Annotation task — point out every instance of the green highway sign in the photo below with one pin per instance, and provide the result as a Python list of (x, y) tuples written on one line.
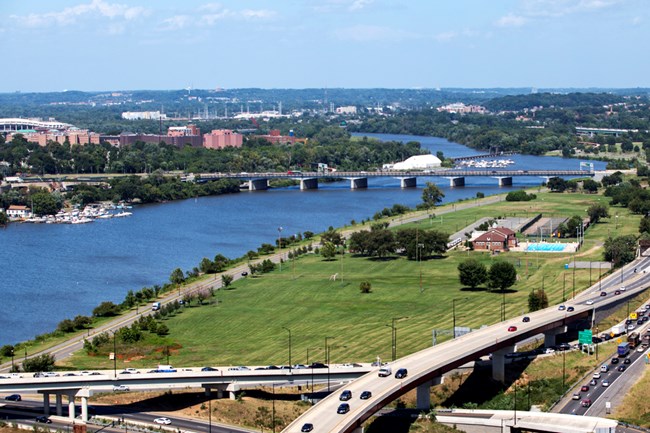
[(584, 337)]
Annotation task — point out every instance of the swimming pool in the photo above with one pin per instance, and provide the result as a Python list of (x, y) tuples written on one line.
[(543, 247)]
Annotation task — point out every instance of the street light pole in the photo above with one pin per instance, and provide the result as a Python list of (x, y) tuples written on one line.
[(289, 331), (273, 409), (327, 361), (453, 314), (209, 414), (280, 251), (114, 356)]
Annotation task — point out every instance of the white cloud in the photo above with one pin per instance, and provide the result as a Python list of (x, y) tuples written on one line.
[(558, 8), (257, 14), (359, 4), (330, 6), (511, 20), (176, 22), (445, 36), (70, 15)]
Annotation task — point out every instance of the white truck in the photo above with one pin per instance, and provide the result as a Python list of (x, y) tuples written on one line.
[(618, 329), (155, 306)]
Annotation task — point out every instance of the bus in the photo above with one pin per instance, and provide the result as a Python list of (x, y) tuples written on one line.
[(623, 349)]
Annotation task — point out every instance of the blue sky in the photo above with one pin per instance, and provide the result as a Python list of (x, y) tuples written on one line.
[(52, 45)]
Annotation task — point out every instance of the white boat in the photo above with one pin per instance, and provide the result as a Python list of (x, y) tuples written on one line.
[(122, 214)]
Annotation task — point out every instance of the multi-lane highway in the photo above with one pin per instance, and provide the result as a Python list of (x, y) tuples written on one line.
[(431, 363)]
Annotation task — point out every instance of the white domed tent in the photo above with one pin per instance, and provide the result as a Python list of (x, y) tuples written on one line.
[(418, 162)]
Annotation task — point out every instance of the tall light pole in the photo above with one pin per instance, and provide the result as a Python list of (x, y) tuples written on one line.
[(327, 361), (209, 414), (280, 251), (114, 356), (289, 331), (419, 250), (273, 409), (394, 336), (453, 314)]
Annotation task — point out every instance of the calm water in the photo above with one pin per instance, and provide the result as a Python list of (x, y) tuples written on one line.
[(52, 272)]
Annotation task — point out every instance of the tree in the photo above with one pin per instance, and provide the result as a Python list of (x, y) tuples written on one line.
[(421, 243), (502, 275), (106, 309), (177, 277), (206, 266), (328, 251), (226, 280), (44, 362), (620, 250), (44, 204), (3, 219), (644, 225), (557, 184), (472, 273), (332, 236), (590, 185), (431, 195), (537, 300), (6, 351), (597, 211), (365, 286)]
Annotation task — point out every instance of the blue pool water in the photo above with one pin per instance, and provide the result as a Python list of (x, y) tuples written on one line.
[(545, 247)]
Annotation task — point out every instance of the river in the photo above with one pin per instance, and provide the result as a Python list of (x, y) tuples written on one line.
[(51, 272)]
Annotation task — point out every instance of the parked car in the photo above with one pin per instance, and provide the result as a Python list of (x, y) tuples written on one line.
[(165, 421), (401, 373), (14, 397), (365, 395), (307, 427), (345, 395), (343, 408)]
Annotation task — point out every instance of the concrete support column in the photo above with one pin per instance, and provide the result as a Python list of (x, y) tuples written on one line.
[(59, 404), (258, 184), (232, 395), (456, 181), (358, 430), (359, 183), (423, 396), (84, 409), (549, 336), (310, 183), (498, 363), (71, 408), (46, 403), (505, 181), (208, 392), (408, 182)]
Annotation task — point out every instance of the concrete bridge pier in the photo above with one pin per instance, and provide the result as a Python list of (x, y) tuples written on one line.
[(499, 362), (505, 180), (232, 389), (84, 394), (310, 183), (456, 181), (59, 404), (71, 408), (358, 183), (423, 393), (46, 403), (549, 336), (258, 184), (408, 182), (358, 430)]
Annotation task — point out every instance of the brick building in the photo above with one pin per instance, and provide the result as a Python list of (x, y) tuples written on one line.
[(495, 239)]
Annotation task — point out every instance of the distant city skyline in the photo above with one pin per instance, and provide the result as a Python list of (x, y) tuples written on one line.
[(98, 45)]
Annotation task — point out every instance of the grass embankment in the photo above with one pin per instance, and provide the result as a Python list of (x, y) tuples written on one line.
[(635, 408), (246, 325)]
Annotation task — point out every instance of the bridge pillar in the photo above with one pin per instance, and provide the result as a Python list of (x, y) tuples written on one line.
[(408, 182), (423, 396), (71, 408), (46, 403), (311, 183), (84, 409), (258, 184), (232, 389), (358, 430), (505, 181), (59, 404), (359, 183), (208, 392), (549, 336), (456, 181), (498, 363)]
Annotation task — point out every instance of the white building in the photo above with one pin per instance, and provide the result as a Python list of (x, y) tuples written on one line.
[(350, 109), (143, 115), (17, 212), (418, 162)]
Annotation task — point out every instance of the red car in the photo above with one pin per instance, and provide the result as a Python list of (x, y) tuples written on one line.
[(584, 388), (512, 328)]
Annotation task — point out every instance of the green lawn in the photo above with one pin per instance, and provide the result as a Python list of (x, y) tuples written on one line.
[(246, 325)]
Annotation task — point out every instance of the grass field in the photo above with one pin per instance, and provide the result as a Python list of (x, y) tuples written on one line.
[(246, 325)]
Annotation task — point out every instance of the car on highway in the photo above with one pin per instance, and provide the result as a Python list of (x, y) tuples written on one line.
[(593, 382), (622, 288), (385, 372), (584, 388), (614, 360), (627, 361), (68, 374), (345, 395), (586, 402), (596, 375), (343, 408), (244, 274), (605, 383), (631, 326), (590, 302), (621, 368), (569, 309), (639, 322), (604, 368), (14, 397), (512, 328), (122, 388), (365, 395), (209, 369), (603, 293), (526, 319), (401, 373), (617, 292), (163, 420), (576, 396), (641, 348), (564, 346), (561, 308), (307, 427), (317, 365), (43, 419)]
